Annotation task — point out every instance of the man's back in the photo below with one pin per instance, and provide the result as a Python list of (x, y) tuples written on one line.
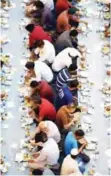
[(63, 22), (55, 134), (43, 71), (70, 167), (70, 143), (64, 40), (51, 151), (62, 78), (38, 33), (47, 110)]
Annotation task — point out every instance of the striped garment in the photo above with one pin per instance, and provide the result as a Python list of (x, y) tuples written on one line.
[(62, 78)]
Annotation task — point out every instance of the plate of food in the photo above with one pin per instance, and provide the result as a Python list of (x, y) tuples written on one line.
[(107, 111), (107, 89), (4, 39), (83, 74), (108, 72), (107, 15), (83, 66), (91, 147), (106, 9), (27, 157), (106, 49), (4, 165)]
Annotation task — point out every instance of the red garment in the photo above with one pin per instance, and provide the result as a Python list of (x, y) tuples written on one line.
[(47, 110), (62, 5), (46, 91), (38, 34)]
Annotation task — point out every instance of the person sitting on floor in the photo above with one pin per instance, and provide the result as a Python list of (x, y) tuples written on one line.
[(46, 19), (65, 58), (70, 166), (65, 75), (31, 9), (50, 128), (67, 94), (66, 39), (64, 18), (46, 110), (43, 89), (47, 156), (45, 51), (41, 71), (64, 97), (77, 140), (36, 33), (67, 116)]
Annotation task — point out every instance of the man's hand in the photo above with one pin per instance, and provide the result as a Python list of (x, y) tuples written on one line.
[(35, 155), (32, 142), (31, 161), (83, 142)]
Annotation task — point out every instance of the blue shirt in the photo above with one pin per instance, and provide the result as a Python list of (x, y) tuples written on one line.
[(70, 143), (65, 96)]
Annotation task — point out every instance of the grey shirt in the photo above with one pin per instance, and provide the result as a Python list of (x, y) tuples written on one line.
[(64, 40)]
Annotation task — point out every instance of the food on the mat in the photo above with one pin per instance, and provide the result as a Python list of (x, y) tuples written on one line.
[(107, 16), (106, 9), (26, 157), (4, 165), (107, 110), (108, 72), (106, 89), (106, 49)]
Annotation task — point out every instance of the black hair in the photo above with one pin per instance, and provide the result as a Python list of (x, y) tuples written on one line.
[(37, 172), (30, 27), (72, 10), (73, 156), (72, 67), (73, 23), (73, 33), (73, 83), (41, 137), (39, 4), (79, 133), (73, 57), (38, 43), (74, 63), (3, 1), (77, 110), (30, 65), (36, 110), (1, 63), (36, 99), (75, 44), (34, 84)]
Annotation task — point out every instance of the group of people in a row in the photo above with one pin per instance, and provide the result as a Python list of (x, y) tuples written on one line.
[(52, 83)]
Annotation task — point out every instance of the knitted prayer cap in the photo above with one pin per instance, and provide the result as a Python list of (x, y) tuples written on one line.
[(72, 10)]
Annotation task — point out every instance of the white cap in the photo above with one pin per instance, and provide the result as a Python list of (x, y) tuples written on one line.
[(74, 152)]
